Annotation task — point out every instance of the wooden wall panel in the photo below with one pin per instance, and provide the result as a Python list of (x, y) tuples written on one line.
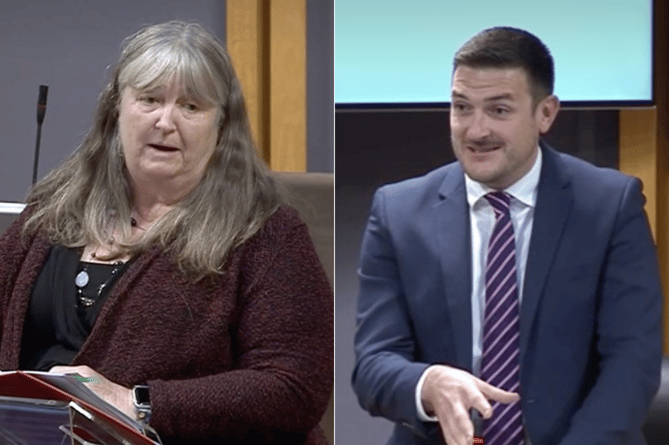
[(661, 60), (267, 42), (246, 42), (638, 154), (644, 150), (288, 85)]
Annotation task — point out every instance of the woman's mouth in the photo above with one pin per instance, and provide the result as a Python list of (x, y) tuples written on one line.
[(163, 147)]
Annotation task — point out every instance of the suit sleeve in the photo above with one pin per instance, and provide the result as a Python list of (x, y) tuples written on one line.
[(628, 333), (386, 373)]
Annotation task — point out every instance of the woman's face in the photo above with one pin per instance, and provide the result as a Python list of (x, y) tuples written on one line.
[(166, 135)]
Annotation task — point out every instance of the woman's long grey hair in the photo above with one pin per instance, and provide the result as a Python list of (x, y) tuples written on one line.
[(74, 203)]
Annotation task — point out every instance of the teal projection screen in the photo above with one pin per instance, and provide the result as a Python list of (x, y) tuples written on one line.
[(398, 53)]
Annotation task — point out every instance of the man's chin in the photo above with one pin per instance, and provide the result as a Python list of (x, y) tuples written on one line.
[(489, 177)]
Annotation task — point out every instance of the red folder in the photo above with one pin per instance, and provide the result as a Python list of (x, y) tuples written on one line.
[(69, 388)]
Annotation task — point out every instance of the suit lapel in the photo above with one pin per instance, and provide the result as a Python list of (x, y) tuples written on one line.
[(553, 206), (451, 224)]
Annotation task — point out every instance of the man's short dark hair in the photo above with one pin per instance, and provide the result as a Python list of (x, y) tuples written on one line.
[(505, 47)]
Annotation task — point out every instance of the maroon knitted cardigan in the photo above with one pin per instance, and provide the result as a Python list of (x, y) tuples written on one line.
[(246, 357)]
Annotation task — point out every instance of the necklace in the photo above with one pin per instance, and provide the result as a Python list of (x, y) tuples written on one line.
[(134, 223), (82, 279), (112, 241)]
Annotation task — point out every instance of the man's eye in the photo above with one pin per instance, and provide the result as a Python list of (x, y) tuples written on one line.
[(500, 111), (460, 107)]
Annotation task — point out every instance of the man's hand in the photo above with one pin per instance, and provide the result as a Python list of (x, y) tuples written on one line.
[(450, 393), (116, 395)]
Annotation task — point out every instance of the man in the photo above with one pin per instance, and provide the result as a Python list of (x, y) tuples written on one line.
[(516, 291)]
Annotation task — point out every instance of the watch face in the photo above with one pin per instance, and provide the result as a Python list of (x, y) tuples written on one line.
[(141, 394)]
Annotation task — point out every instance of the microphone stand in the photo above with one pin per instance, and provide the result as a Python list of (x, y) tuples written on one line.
[(41, 111)]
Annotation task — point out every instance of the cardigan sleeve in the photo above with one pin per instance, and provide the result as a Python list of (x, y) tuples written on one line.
[(13, 249), (283, 376)]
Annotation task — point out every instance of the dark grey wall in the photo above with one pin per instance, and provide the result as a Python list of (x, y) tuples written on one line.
[(68, 45), (320, 86), (375, 148)]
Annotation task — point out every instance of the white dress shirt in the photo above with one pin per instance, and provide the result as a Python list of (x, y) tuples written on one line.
[(482, 220)]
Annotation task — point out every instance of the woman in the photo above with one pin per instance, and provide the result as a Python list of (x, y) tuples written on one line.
[(160, 254)]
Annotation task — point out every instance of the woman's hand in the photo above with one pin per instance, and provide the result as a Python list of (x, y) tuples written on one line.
[(116, 395)]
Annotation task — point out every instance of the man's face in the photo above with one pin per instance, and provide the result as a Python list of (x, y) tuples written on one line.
[(495, 126)]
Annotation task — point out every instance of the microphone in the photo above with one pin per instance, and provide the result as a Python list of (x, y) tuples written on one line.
[(478, 427), (41, 111)]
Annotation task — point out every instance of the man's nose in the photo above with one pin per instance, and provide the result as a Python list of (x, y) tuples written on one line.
[(479, 127)]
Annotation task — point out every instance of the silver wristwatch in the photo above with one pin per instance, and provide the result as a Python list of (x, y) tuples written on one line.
[(142, 403)]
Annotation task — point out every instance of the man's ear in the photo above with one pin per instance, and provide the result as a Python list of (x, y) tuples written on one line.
[(546, 112)]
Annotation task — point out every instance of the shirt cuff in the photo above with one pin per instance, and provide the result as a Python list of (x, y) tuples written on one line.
[(419, 404)]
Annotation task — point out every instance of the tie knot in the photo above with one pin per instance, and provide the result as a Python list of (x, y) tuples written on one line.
[(499, 201)]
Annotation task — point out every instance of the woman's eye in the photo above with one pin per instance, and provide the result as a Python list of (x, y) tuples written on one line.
[(149, 100), (190, 106)]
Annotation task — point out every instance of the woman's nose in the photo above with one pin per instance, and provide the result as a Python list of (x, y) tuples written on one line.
[(165, 120)]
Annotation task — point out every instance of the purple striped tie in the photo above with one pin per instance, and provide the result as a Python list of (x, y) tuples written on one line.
[(500, 363)]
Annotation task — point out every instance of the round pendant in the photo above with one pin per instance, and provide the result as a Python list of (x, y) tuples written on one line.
[(82, 279)]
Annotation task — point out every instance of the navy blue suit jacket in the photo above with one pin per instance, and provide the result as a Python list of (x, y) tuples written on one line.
[(590, 316)]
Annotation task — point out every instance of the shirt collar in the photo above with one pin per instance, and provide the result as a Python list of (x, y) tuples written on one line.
[(524, 190)]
